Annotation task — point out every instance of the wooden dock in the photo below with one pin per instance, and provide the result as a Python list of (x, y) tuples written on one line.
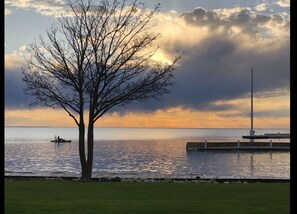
[(261, 146)]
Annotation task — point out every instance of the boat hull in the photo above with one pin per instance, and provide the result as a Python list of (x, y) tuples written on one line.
[(61, 141)]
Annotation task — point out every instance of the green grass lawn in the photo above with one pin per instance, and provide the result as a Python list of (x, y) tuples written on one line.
[(52, 196)]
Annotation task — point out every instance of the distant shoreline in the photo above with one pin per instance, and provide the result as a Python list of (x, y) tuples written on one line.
[(244, 128)]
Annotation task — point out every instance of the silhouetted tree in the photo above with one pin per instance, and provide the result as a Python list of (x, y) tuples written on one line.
[(96, 58)]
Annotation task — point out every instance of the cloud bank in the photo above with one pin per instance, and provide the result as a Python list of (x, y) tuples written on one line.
[(220, 47)]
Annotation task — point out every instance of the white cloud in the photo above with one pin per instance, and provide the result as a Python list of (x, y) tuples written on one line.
[(262, 7), (7, 11), (283, 3), (241, 25), (15, 59), (44, 7)]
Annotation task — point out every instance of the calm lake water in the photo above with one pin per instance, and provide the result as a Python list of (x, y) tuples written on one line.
[(140, 152)]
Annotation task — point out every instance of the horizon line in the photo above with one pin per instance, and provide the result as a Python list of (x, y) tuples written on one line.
[(24, 126)]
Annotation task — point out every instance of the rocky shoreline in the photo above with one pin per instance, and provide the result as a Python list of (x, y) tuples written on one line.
[(148, 179)]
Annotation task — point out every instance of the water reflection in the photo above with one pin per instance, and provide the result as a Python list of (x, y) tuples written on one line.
[(158, 157), (262, 164), (252, 164)]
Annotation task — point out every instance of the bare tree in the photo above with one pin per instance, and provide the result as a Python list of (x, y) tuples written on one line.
[(96, 58)]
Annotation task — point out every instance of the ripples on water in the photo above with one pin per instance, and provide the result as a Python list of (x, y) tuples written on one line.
[(158, 156)]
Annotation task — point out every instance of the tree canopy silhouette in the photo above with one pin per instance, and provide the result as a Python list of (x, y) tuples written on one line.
[(94, 58)]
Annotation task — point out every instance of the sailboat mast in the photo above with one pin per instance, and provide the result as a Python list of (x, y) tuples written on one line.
[(252, 104)]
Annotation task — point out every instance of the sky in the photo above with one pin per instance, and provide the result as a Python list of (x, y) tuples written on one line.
[(220, 40)]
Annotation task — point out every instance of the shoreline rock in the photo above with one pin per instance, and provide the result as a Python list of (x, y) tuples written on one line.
[(213, 180)]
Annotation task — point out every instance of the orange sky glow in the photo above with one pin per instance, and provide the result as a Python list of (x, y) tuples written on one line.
[(170, 118)]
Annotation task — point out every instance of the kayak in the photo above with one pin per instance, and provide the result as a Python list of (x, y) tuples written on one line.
[(61, 141)]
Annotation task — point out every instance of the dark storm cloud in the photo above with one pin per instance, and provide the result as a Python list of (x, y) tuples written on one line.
[(275, 113), (13, 90), (219, 67), (213, 76)]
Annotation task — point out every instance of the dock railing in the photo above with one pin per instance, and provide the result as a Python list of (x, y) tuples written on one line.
[(200, 146)]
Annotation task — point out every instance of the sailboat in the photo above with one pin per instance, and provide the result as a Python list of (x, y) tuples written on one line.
[(252, 131)]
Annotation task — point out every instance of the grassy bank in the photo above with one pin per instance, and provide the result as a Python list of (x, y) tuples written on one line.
[(49, 196)]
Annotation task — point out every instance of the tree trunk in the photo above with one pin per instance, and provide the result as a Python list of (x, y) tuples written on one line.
[(90, 150), (82, 153), (90, 143)]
